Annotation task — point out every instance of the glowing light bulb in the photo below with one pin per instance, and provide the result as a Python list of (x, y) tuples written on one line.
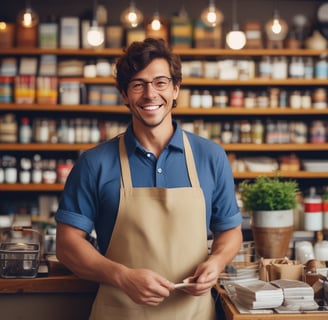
[(156, 23), (236, 39), (95, 35), (211, 16), (28, 18), (131, 17), (3, 25), (276, 26)]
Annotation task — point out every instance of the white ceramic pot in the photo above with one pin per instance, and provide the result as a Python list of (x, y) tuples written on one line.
[(273, 219)]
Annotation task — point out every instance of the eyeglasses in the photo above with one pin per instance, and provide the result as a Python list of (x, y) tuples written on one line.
[(159, 84)]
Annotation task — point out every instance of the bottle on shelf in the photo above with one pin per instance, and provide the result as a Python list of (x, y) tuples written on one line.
[(25, 170), (313, 211), (10, 169), (321, 67), (36, 169), (25, 131)]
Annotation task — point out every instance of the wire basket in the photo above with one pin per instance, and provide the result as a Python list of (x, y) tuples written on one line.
[(19, 260), (245, 265)]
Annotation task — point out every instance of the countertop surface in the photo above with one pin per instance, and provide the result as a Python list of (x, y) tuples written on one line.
[(68, 283)]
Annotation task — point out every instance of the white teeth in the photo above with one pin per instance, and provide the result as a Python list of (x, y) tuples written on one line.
[(150, 108)]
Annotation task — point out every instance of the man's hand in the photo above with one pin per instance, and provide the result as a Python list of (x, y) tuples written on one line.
[(144, 286)]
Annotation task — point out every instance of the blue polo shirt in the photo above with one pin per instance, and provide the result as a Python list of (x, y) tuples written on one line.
[(92, 191)]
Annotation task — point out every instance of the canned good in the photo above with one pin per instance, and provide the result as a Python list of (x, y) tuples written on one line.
[(237, 98), (6, 89), (69, 90)]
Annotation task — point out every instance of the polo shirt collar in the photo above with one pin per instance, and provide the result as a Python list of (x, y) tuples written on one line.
[(132, 144)]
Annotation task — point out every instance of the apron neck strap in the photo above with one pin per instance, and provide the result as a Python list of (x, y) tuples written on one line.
[(126, 180)]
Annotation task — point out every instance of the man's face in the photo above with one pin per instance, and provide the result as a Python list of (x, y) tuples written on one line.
[(151, 103)]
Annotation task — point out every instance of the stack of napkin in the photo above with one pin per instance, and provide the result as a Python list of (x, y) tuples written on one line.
[(258, 294), (298, 295)]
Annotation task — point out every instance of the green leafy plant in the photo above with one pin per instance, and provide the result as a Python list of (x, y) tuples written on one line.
[(268, 193)]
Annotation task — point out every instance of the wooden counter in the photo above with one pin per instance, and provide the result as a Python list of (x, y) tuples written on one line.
[(50, 284), (64, 297), (232, 313)]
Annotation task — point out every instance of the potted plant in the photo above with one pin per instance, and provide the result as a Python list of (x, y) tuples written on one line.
[(270, 202)]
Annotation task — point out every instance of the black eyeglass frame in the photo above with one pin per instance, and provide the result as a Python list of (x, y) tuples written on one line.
[(142, 84)]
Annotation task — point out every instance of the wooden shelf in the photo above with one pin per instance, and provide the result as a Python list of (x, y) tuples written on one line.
[(45, 146), (228, 147), (287, 174), (194, 52), (275, 147), (31, 187), (120, 109), (180, 110), (58, 187), (253, 82)]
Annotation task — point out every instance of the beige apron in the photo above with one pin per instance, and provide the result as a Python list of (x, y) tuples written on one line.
[(163, 230)]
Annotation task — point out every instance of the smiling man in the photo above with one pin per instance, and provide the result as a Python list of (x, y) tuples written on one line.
[(153, 194)]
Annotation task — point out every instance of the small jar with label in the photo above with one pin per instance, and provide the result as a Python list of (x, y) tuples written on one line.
[(279, 68), (250, 100), (195, 99), (262, 100), (296, 67), (320, 98), (257, 132), (237, 98), (220, 99), (245, 132), (295, 99), (274, 97), (25, 170), (206, 99), (36, 169), (10, 169), (318, 132), (49, 173), (226, 134), (306, 98), (265, 67)]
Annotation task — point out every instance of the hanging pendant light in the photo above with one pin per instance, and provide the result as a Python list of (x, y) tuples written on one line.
[(276, 30), (157, 26), (95, 34), (27, 18), (131, 17), (211, 16), (235, 39), (156, 23)]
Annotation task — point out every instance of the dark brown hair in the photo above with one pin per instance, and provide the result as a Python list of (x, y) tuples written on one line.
[(139, 55)]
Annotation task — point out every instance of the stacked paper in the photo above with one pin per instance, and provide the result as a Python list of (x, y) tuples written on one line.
[(258, 294), (298, 295)]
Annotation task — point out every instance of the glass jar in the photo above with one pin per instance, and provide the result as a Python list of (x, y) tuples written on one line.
[(220, 99), (279, 68), (295, 99), (237, 98)]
